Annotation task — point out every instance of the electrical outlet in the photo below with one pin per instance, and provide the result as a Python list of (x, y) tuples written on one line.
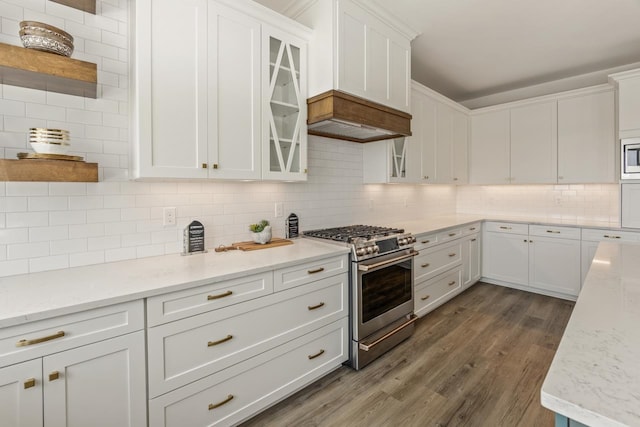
[(168, 217), (279, 209)]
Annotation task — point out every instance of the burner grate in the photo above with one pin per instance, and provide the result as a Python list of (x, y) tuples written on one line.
[(352, 232)]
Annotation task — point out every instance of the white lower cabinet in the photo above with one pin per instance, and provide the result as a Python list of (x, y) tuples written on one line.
[(449, 262), (65, 383), (538, 258), (229, 362)]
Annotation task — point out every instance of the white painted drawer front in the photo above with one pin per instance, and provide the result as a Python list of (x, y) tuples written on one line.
[(434, 261), (476, 227), (554, 231), (507, 227), (254, 384), (286, 278), (72, 330), (424, 241), (178, 305), (600, 235), (452, 234), (434, 292), (188, 349)]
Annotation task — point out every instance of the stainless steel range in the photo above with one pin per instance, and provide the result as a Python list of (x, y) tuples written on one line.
[(381, 287)]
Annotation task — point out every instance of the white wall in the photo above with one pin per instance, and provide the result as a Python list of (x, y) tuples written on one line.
[(569, 203)]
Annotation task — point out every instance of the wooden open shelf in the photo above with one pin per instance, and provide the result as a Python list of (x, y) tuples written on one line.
[(47, 71), (48, 170), (85, 5)]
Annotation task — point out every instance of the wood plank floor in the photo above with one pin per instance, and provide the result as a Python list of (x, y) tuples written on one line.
[(478, 360)]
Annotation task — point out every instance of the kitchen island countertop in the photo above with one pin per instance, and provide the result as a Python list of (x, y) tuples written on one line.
[(595, 375)]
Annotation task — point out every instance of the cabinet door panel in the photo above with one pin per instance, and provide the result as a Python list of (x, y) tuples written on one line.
[(506, 257), (98, 385), (490, 148), (376, 59), (234, 88), (20, 402), (586, 139), (176, 145), (351, 50), (460, 148), (534, 143), (554, 265), (424, 127), (444, 144), (629, 101), (399, 74)]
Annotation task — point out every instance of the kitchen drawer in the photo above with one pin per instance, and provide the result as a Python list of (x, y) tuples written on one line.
[(424, 241), (476, 227), (183, 351), (599, 235), (64, 332), (434, 292), (237, 393), (507, 227), (445, 236), (436, 260), (286, 278), (554, 231), (177, 305)]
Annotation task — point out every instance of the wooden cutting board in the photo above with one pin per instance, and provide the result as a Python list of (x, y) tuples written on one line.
[(253, 246)]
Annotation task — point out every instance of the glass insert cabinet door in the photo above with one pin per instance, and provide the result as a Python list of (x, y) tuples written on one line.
[(285, 139), (398, 157)]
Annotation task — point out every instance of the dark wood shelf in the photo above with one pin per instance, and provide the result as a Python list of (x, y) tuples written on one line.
[(47, 71), (84, 5), (48, 170)]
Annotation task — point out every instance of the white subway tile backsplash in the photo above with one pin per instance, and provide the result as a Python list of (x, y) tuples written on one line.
[(55, 262), (11, 268), (85, 202), (59, 247), (67, 188), (13, 204), (120, 254), (67, 217), (27, 250), (12, 108), (47, 112), (27, 219), (86, 258), (84, 116), (86, 230), (46, 203), (24, 94)]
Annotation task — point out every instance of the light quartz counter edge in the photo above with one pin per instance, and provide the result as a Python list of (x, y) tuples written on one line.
[(37, 296), (595, 375)]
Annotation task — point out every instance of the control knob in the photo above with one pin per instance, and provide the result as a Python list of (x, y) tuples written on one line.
[(376, 249), (369, 249), (361, 251), (402, 241)]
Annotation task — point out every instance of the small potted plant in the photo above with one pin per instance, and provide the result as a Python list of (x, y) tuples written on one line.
[(261, 232)]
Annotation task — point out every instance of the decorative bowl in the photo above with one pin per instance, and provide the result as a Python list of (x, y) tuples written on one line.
[(44, 148), (263, 237), (40, 36)]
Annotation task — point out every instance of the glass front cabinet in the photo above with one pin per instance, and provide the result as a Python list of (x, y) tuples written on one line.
[(285, 107)]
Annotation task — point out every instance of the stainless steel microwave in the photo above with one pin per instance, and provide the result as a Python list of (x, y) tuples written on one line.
[(630, 153)]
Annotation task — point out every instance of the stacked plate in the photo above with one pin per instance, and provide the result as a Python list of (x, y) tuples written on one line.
[(39, 36), (49, 141)]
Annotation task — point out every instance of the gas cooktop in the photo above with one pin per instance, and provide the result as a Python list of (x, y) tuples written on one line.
[(350, 233)]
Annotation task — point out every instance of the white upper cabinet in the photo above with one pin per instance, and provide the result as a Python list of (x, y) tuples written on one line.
[(490, 148), (391, 161), (358, 51), (564, 138), (628, 83), (586, 138), (202, 69), (460, 147), (534, 143), (285, 106)]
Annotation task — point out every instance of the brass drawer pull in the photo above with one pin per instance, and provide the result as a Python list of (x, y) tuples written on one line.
[(452, 255), (424, 242), (215, 166), (54, 375), (505, 228), (426, 297), (219, 404), (314, 307), (612, 237), (425, 265), (473, 240), (225, 339), (317, 270), (553, 232), (472, 229), (226, 294), (452, 234), (31, 382), (318, 354), (24, 343), (451, 283)]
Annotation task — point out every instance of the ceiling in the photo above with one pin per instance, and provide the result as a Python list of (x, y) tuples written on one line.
[(471, 50)]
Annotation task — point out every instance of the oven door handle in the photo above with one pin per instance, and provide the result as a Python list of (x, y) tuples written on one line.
[(367, 347), (368, 267)]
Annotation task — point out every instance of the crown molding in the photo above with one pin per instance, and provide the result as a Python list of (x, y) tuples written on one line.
[(382, 13)]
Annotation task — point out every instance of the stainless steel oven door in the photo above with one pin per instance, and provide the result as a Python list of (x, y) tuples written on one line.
[(630, 151), (383, 292)]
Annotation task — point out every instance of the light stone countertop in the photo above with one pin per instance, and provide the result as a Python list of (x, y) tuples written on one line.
[(595, 375), (36, 296)]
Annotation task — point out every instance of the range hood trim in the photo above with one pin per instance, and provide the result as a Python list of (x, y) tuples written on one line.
[(332, 110)]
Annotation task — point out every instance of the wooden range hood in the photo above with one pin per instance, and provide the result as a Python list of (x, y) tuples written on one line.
[(339, 115)]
